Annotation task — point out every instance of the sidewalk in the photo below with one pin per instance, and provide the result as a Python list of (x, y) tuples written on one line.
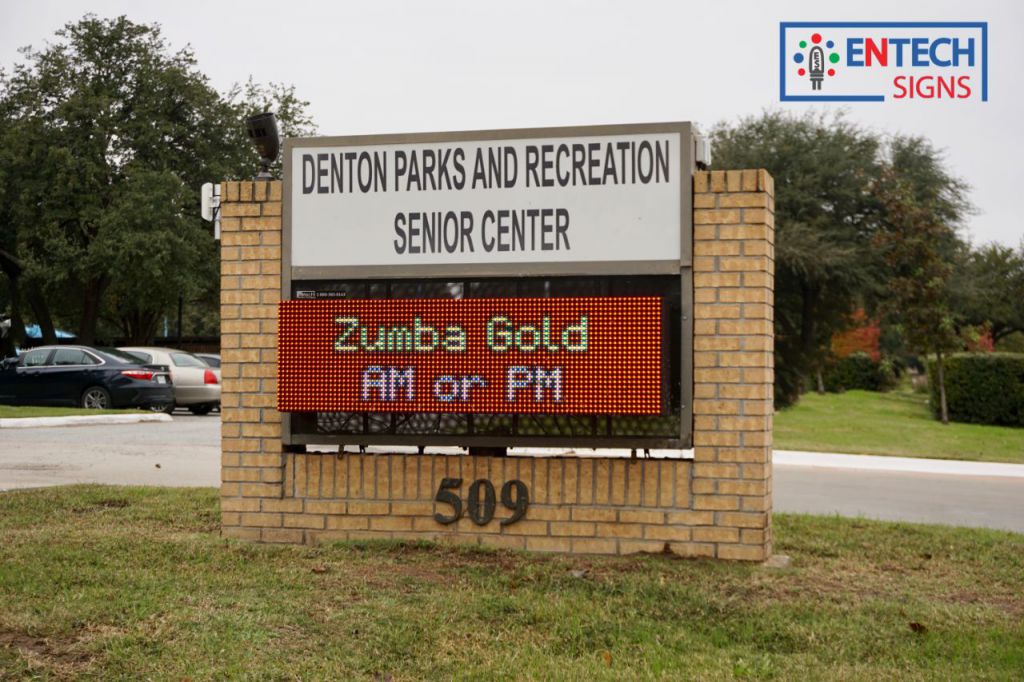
[(917, 465), (86, 420)]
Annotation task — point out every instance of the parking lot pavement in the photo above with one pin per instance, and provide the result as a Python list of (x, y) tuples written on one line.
[(184, 452)]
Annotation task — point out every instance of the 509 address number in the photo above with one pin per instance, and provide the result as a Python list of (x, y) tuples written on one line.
[(480, 503)]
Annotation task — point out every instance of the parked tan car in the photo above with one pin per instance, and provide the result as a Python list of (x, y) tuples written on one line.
[(196, 384)]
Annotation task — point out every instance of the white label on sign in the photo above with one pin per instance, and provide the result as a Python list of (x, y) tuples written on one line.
[(573, 199)]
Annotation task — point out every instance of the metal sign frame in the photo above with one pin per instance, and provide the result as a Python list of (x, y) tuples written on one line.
[(682, 266)]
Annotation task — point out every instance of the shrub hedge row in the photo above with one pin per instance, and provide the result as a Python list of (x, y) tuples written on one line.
[(981, 388), (858, 370)]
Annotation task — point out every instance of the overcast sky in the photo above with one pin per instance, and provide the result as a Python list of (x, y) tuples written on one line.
[(431, 65)]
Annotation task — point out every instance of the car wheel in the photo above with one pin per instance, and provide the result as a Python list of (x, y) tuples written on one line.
[(96, 398), (166, 408), (200, 410)]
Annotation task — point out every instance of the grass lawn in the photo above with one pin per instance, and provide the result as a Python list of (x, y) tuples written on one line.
[(894, 423), (135, 583), (18, 411)]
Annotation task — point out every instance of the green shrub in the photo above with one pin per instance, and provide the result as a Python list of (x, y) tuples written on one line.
[(981, 388), (858, 370)]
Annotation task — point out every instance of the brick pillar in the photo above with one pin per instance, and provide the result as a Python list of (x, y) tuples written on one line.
[(252, 463), (734, 266)]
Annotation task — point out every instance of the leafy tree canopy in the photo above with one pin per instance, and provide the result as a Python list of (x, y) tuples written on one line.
[(108, 135), (825, 215)]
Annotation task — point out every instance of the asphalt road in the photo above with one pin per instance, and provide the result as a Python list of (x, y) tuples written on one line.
[(980, 501), (187, 453)]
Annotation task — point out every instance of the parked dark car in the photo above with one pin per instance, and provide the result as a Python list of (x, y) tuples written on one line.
[(97, 378)]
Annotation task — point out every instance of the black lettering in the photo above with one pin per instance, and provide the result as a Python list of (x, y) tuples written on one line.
[(443, 181), (400, 165), (645, 177), (579, 159), (563, 180), (502, 230), (429, 232), (460, 169), (609, 166), (623, 147), (532, 214), (518, 233), (308, 173), (562, 227), (487, 243), (365, 179), (321, 174), (594, 163), (547, 165), (400, 231), (546, 229), (414, 231), (531, 166), (429, 161), (350, 157), (494, 173), (337, 178), (661, 161), (511, 167), (451, 219), (479, 175), (467, 231), (414, 174), (380, 172)]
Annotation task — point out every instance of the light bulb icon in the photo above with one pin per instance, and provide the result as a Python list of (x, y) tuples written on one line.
[(816, 67)]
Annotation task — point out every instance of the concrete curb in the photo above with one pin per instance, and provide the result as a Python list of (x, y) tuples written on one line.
[(949, 467), (87, 420)]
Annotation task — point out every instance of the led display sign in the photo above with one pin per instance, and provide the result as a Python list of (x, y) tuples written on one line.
[(580, 355)]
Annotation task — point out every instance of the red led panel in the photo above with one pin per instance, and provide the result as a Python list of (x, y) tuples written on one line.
[(540, 355)]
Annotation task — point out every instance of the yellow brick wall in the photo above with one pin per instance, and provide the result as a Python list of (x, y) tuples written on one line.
[(719, 505)]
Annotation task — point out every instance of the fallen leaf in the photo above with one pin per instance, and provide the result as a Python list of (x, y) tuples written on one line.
[(607, 656), (579, 573), (157, 465), (918, 628), (319, 568)]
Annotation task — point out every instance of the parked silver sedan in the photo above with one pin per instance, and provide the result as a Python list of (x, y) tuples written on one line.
[(196, 384)]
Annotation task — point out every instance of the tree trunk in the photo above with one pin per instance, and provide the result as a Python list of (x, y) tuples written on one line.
[(820, 380), (42, 314), (92, 297), (15, 335), (943, 407), (12, 269), (809, 300)]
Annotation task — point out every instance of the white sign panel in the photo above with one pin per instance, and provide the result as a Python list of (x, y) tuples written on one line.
[(553, 199)]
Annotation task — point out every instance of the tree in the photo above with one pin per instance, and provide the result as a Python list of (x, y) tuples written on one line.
[(924, 207), (825, 216), (109, 135), (911, 242), (989, 289)]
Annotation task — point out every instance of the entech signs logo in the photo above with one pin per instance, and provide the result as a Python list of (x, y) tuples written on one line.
[(878, 61)]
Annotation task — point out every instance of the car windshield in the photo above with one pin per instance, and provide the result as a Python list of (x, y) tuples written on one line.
[(139, 355), (186, 360), (119, 355)]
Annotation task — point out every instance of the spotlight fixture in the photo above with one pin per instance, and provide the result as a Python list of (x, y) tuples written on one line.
[(262, 129)]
